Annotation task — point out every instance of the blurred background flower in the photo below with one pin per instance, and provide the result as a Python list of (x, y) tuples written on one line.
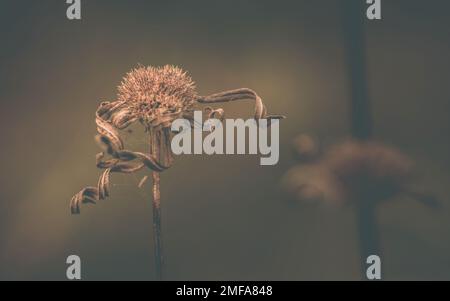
[(352, 171)]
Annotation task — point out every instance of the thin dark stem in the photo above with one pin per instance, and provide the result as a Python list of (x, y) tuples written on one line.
[(156, 204), (157, 225), (360, 116)]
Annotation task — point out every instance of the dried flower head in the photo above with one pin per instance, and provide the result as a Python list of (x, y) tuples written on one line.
[(154, 92)]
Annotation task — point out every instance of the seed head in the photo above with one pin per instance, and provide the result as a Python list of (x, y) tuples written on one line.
[(152, 92)]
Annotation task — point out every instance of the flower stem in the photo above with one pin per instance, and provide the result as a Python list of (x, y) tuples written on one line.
[(157, 237), (156, 206)]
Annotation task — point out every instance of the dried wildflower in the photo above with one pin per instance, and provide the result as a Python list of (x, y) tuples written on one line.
[(155, 97), (355, 171), (361, 173), (368, 169)]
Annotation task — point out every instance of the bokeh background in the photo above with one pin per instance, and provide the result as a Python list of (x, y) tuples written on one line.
[(224, 217)]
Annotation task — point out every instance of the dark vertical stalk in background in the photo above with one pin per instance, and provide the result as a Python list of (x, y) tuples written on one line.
[(354, 16)]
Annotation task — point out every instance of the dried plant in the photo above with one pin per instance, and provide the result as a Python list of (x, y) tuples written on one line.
[(353, 171), (360, 173), (155, 97)]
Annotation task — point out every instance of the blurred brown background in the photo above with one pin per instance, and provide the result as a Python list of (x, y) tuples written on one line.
[(224, 217)]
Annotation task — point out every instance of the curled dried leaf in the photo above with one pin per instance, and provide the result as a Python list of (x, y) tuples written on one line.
[(240, 94), (86, 195), (103, 184), (109, 118)]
